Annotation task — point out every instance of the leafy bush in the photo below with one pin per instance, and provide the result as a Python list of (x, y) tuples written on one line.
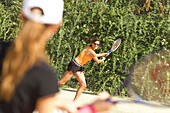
[(9, 21), (83, 20)]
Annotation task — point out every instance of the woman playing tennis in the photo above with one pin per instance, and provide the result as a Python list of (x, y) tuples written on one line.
[(75, 67)]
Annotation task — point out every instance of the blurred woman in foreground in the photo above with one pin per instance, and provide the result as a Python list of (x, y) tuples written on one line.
[(27, 82)]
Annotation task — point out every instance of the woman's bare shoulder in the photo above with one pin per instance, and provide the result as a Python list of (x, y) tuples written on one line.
[(89, 51)]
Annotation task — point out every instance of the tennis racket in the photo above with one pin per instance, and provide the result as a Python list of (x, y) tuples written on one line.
[(148, 82), (114, 46)]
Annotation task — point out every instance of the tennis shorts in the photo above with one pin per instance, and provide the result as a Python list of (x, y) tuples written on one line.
[(74, 67)]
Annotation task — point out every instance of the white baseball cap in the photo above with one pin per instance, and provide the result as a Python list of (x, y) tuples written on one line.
[(52, 9)]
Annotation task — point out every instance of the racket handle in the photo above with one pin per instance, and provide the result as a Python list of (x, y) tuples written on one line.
[(111, 101), (60, 111), (107, 53)]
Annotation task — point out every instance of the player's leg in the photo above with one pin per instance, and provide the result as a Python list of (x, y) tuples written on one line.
[(81, 79), (66, 77)]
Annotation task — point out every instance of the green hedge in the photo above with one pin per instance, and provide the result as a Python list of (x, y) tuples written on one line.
[(9, 19), (83, 20)]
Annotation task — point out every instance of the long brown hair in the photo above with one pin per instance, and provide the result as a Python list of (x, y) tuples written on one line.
[(94, 40), (27, 49)]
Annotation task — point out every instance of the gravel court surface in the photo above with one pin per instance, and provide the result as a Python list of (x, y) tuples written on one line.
[(66, 96)]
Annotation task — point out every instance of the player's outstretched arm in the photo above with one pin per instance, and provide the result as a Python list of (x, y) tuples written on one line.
[(95, 56)]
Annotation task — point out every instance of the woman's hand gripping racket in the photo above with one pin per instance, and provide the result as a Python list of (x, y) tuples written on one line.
[(114, 46), (148, 82)]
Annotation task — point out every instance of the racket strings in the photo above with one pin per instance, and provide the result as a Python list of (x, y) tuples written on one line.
[(151, 77), (115, 45)]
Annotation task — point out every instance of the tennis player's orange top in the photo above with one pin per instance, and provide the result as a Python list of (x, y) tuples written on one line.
[(82, 58)]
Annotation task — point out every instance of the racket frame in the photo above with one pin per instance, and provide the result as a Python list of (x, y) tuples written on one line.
[(135, 98), (113, 45)]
